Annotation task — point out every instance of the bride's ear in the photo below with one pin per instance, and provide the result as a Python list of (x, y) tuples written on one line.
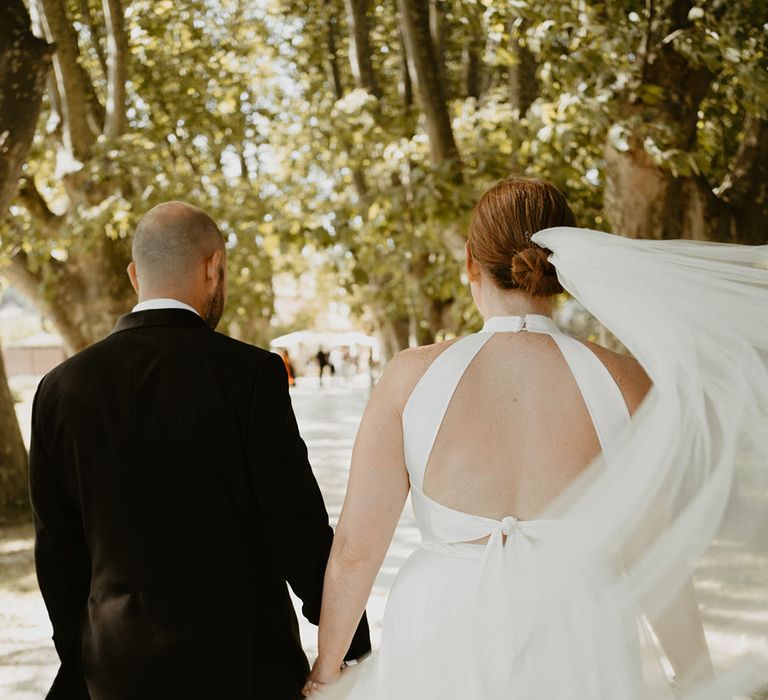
[(472, 268)]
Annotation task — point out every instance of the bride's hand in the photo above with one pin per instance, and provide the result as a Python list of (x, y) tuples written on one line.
[(320, 677)]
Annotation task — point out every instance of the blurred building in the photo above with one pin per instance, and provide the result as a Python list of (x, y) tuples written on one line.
[(29, 348)]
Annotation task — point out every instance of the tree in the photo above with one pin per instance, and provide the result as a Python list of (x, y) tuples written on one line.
[(677, 95), (681, 201), (415, 18), (128, 126), (365, 132), (24, 63)]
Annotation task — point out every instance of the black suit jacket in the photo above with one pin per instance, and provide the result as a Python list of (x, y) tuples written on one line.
[(173, 500)]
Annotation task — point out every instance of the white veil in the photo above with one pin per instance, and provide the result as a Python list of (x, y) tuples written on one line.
[(685, 492)]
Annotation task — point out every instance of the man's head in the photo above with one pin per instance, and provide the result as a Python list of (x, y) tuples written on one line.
[(179, 253)]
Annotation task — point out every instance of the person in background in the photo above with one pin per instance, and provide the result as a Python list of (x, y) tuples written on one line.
[(288, 366), (322, 363)]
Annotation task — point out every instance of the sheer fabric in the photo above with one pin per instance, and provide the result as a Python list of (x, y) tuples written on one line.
[(690, 479), (558, 607)]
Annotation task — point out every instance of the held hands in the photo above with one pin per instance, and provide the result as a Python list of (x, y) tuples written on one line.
[(320, 677)]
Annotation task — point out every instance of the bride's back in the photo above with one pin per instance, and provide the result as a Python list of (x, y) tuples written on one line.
[(517, 430)]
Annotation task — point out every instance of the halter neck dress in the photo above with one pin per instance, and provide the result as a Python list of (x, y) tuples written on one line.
[(464, 621)]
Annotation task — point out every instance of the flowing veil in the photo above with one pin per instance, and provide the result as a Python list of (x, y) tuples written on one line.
[(684, 493), (680, 499)]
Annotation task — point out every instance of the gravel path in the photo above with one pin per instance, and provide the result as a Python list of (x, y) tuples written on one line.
[(736, 615)]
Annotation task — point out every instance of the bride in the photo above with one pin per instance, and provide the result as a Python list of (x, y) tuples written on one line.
[(564, 492)]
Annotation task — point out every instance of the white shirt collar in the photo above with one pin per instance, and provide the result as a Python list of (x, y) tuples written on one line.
[(151, 304)]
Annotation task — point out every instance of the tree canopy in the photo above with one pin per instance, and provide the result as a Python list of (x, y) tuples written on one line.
[(366, 130)]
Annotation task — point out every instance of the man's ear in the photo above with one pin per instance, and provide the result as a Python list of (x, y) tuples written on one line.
[(214, 265), (133, 276), (473, 269)]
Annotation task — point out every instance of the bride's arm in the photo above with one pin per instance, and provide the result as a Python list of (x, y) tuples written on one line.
[(377, 490)]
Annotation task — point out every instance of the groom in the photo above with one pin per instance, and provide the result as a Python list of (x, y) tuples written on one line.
[(172, 495)]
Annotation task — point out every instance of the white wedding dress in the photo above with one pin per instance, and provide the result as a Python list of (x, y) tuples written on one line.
[(548, 608), (465, 621)]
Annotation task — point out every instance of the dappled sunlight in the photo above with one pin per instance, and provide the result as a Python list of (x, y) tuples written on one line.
[(27, 658), (731, 579)]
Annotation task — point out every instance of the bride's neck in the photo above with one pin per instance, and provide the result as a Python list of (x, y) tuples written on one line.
[(492, 301)]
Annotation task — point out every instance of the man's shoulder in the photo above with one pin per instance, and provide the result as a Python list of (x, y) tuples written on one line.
[(238, 349), (103, 352), (83, 360)]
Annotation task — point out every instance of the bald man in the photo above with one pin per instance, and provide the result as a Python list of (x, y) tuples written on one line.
[(172, 495)]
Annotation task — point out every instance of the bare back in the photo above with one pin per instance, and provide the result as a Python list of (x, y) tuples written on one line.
[(517, 430)]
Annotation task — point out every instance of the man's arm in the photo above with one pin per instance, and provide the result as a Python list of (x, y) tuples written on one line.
[(61, 554), (295, 518)]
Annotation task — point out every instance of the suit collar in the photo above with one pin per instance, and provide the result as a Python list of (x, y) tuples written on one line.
[(159, 317)]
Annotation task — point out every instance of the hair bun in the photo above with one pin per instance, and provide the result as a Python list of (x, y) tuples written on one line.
[(533, 273)]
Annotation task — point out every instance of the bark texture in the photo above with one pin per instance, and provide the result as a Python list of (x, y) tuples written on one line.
[(13, 454), (360, 51), (25, 61), (82, 116), (83, 295), (644, 200), (415, 18), (117, 57), (523, 85)]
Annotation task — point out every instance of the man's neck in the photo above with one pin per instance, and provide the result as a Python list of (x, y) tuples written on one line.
[(163, 302)]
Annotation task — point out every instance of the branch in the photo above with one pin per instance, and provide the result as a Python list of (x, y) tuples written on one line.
[(523, 84), (74, 86), (85, 11), (117, 55), (746, 181), (34, 202), (471, 63), (31, 284), (360, 47), (645, 52), (437, 29), (358, 176), (405, 75), (333, 59), (25, 61), (22, 277), (414, 18)]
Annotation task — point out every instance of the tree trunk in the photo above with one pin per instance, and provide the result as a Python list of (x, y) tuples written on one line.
[(13, 454), (25, 61), (360, 50), (644, 200), (81, 125), (333, 59), (393, 335), (435, 317), (406, 84), (117, 57), (82, 297), (471, 76), (523, 86), (96, 33), (414, 15), (438, 26), (745, 188), (24, 64)]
